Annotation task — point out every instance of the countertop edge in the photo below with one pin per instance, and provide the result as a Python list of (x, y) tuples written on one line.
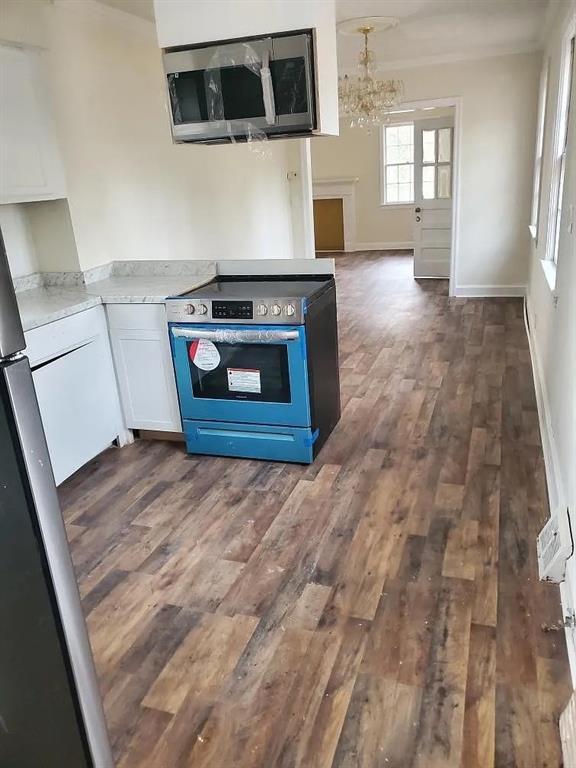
[(93, 297), (60, 314)]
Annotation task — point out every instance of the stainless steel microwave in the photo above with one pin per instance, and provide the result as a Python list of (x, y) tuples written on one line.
[(239, 90)]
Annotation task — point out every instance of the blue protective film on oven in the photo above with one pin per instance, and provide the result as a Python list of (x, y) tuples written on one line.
[(295, 413)]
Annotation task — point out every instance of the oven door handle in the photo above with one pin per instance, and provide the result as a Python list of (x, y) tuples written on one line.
[(226, 336)]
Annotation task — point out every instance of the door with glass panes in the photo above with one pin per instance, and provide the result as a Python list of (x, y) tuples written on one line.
[(433, 182)]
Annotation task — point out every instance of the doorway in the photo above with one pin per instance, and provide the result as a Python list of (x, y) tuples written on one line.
[(410, 207)]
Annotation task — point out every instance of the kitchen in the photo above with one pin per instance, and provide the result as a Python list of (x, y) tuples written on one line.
[(247, 518), (106, 367)]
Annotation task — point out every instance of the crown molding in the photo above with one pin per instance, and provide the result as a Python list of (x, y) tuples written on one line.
[(450, 58)]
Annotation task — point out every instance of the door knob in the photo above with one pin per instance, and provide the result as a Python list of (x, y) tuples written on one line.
[(417, 210), (418, 218)]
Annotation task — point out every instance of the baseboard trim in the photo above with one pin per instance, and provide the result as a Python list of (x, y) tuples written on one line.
[(553, 478), (388, 246), (490, 291)]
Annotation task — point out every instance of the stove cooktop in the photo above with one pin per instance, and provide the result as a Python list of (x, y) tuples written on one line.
[(301, 287)]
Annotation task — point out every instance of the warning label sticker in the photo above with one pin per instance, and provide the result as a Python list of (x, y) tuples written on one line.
[(204, 354), (244, 380)]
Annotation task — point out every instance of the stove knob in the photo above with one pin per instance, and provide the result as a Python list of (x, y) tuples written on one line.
[(189, 309), (289, 310), (202, 309), (261, 309), (276, 309)]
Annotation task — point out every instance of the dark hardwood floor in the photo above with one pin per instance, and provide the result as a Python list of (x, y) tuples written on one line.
[(379, 609)]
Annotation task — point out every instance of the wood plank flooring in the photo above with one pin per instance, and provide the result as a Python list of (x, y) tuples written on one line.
[(379, 609)]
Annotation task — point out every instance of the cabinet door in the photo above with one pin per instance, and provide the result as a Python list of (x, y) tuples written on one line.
[(30, 164), (144, 367), (79, 406)]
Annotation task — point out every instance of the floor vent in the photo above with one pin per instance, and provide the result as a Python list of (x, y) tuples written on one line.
[(554, 547)]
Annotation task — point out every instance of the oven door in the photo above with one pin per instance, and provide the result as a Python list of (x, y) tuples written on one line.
[(242, 90), (254, 375)]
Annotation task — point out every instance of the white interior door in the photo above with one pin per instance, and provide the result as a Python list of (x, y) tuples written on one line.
[(433, 183)]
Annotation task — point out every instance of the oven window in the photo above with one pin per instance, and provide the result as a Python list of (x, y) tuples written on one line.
[(257, 372)]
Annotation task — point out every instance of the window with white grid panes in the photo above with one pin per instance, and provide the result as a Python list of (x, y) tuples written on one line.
[(437, 163), (560, 148), (398, 164)]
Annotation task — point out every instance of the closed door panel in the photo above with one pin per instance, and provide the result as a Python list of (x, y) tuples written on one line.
[(433, 172), (435, 236), (435, 261), (438, 218)]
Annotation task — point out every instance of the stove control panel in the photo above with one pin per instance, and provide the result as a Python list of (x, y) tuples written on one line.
[(259, 311), (232, 310)]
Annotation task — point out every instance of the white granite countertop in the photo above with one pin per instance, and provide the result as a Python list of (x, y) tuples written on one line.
[(144, 289), (40, 306)]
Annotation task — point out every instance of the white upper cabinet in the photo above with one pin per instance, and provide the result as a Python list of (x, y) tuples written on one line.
[(30, 163)]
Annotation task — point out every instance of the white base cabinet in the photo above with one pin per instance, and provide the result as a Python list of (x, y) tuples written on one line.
[(143, 361), (76, 389)]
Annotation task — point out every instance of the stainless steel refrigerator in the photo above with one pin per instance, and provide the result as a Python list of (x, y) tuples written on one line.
[(50, 708)]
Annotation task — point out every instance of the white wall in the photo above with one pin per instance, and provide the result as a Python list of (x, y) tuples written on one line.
[(132, 193), (18, 240), (39, 237), (552, 314), (355, 153), (51, 230), (498, 97)]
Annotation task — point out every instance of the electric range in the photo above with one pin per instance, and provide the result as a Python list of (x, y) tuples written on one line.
[(256, 364)]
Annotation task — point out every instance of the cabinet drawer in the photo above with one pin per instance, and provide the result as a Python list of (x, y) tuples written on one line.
[(58, 337), (137, 317)]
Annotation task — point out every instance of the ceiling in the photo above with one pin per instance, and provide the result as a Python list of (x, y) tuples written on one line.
[(142, 8), (443, 29), (428, 30)]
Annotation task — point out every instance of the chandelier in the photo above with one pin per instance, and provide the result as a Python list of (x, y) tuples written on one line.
[(365, 99)]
